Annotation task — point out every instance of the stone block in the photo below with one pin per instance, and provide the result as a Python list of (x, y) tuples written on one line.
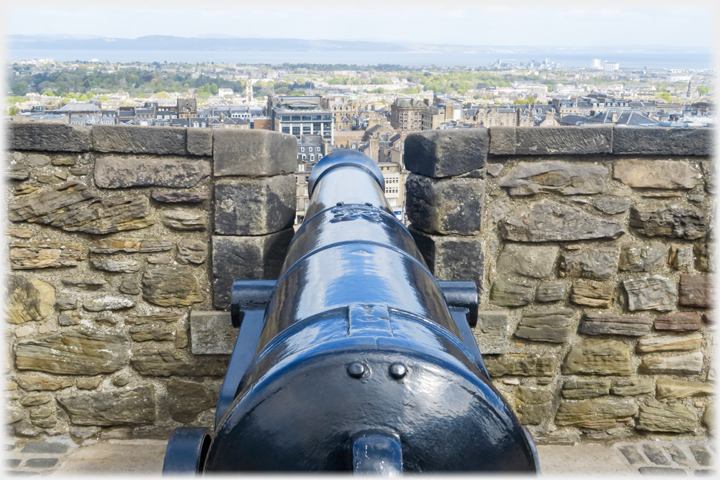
[(551, 291), (613, 324), (158, 332), (596, 413), (186, 400), (191, 251), (561, 177), (697, 291), (611, 204), (688, 364), (166, 363), (212, 332), (549, 221), (578, 389), (502, 140), (253, 153), (49, 137), (563, 140), (129, 172), (171, 286), (184, 219), (670, 343), (662, 141), (511, 294), (632, 386), (599, 357), (116, 266), (40, 382), (671, 388), (123, 245), (246, 258), (533, 405), (200, 141), (673, 418), (592, 294), (546, 325), (180, 197), (642, 258), (254, 206), (491, 332), (446, 153), (121, 407), (107, 303), (651, 293), (136, 139), (452, 257), (665, 174), (595, 264), (445, 206), (673, 221), (521, 364), (29, 300), (679, 322), (704, 257), (527, 261)]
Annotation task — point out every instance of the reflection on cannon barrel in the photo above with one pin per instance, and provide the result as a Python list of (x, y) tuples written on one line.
[(356, 358)]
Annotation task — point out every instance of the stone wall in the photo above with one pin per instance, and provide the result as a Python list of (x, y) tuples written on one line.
[(123, 244), (592, 250)]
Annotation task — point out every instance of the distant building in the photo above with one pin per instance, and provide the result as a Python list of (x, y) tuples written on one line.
[(344, 107), (301, 115), (597, 63), (407, 114), (611, 66)]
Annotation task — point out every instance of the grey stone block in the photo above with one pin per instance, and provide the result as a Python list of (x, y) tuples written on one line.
[(452, 257), (120, 172), (253, 153), (49, 137), (136, 139), (45, 447), (563, 140), (200, 141), (502, 140), (445, 206), (662, 141), (246, 258), (445, 153), (254, 206), (491, 331), (211, 332)]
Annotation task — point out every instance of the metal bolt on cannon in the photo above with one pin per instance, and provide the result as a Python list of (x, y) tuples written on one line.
[(356, 358)]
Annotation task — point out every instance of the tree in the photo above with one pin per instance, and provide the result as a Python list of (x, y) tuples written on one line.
[(703, 90), (162, 95), (13, 110), (19, 88)]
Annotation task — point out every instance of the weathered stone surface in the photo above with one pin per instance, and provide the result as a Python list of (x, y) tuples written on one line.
[(511, 294), (491, 332), (662, 141), (681, 257), (40, 382), (679, 322), (697, 291), (599, 357), (180, 197), (254, 206), (563, 140), (74, 352), (48, 137), (129, 245), (590, 294), (597, 413), (48, 179), (668, 174), (674, 221), (577, 389), (34, 399), (651, 293), (611, 204), (44, 254), (24, 189), (187, 399), (708, 419), (135, 139), (166, 363), (46, 202), (16, 172), (494, 169), (200, 141), (532, 405), (546, 221), (642, 258), (66, 301), (106, 303), (632, 386), (527, 261), (688, 364), (157, 332), (159, 259), (120, 407), (171, 286), (595, 264), (561, 177), (546, 325), (80, 170), (669, 388), (613, 324), (246, 258), (127, 172), (673, 418), (212, 332), (155, 318), (90, 284), (526, 365), (191, 251), (452, 257), (704, 257), (670, 343), (446, 153), (29, 300), (253, 153), (116, 266), (88, 383), (445, 206), (502, 140), (184, 219), (552, 291), (18, 232)]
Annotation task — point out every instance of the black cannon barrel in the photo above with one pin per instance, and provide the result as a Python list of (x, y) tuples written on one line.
[(360, 363)]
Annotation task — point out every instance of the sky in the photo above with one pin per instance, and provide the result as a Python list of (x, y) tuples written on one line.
[(514, 23)]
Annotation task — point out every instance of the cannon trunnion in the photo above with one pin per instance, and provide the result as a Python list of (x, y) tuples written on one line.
[(356, 358)]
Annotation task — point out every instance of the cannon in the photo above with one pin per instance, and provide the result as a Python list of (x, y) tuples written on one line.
[(356, 359)]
